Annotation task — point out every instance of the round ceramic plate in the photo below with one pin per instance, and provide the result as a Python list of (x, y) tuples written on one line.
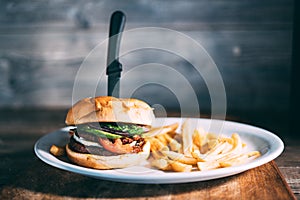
[(269, 145)]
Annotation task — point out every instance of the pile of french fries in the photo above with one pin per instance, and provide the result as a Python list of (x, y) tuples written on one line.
[(194, 149)]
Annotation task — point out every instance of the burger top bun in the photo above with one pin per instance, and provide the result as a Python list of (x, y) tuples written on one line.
[(110, 109), (109, 162)]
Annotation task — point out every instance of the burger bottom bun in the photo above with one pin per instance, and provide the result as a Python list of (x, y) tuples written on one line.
[(108, 162)]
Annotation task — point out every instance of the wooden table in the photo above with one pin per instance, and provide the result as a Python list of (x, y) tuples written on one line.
[(24, 176)]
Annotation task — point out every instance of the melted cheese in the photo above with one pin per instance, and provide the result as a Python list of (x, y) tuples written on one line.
[(85, 142)]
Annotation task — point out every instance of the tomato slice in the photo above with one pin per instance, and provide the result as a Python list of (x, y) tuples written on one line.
[(116, 147)]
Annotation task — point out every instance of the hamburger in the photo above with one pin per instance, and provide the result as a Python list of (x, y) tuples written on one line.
[(108, 132)]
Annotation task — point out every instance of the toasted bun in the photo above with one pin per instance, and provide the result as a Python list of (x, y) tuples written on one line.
[(110, 109), (109, 162)]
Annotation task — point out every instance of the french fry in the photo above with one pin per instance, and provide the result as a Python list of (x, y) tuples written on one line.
[(180, 157), (204, 148), (254, 154), (227, 148), (169, 129), (239, 159), (199, 136), (211, 144), (173, 128), (225, 139), (237, 142), (158, 155), (162, 139), (57, 151), (194, 147), (162, 164), (174, 145), (217, 149), (211, 136), (157, 145), (198, 156), (202, 166), (180, 167), (187, 137), (236, 160), (224, 150), (211, 140)]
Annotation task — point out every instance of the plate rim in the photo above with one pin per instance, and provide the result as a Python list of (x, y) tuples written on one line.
[(161, 177)]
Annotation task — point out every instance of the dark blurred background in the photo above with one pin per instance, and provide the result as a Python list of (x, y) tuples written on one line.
[(43, 43)]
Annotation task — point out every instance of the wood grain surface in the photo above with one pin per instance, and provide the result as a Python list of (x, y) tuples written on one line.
[(41, 181)]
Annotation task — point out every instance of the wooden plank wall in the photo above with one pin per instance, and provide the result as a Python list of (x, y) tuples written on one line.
[(43, 44)]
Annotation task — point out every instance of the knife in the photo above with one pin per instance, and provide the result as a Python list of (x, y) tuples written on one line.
[(114, 67)]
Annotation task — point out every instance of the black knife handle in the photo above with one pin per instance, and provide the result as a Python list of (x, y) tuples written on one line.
[(114, 67), (117, 23)]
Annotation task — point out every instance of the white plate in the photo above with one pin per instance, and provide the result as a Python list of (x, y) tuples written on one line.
[(259, 139)]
